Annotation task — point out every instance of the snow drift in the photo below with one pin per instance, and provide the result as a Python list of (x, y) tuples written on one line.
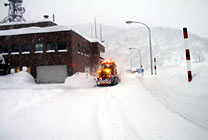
[(171, 87), (17, 80), (80, 80)]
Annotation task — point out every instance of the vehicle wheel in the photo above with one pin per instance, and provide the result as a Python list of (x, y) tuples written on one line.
[(115, 81)]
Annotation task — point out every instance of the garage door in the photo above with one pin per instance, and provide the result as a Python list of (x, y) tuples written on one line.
[(51, 74)]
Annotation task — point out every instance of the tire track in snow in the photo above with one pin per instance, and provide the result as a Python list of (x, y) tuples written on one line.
[(111, 120), (24, 99)]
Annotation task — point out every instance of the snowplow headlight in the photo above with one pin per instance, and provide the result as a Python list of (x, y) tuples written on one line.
[(99, 71), (107, 70)]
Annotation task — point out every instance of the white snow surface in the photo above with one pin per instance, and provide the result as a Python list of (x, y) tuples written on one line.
[(24, 22), (188, 99), (160, 107), (32, 30), (79, 110)]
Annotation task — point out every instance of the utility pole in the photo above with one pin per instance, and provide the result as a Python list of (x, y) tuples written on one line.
[(100, 33), (53, 18), (95, 29), (91, 30)]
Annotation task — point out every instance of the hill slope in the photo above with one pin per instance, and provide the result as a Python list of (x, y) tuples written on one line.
[(167, 44)]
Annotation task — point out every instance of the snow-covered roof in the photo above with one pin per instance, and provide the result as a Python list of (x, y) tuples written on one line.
[(24, 22), (93, 40), (33, 30)]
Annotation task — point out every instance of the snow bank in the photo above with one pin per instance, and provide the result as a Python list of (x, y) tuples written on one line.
[(172, 89), (23, 80), (80, 80), (16, 81), (73, 110)]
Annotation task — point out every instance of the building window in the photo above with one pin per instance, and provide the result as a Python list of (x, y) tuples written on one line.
[(62, 46), (39, 47), (15, 48), (5, 49), (78, 48), (82, 50), (88, 52), (25, 48), (50, 47), (85, 51)]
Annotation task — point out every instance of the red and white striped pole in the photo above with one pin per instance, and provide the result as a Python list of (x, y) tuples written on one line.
[(155, 67), (188, 58)]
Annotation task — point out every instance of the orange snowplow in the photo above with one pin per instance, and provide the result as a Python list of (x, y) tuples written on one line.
[(107, 74)]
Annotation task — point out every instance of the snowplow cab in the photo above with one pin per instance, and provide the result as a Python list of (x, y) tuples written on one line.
[(107, 74)]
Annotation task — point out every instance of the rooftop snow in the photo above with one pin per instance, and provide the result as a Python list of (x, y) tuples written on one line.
[(32, 30), (25, 22)]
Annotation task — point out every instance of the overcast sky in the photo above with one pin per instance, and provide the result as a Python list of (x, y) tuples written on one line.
[(192, 14)]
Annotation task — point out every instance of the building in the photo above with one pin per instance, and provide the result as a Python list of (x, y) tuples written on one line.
[(51, 52)]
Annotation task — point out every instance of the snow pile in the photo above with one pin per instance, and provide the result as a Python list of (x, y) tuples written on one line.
[(16, 81), (25, 80), (172, 88), (80, 80)]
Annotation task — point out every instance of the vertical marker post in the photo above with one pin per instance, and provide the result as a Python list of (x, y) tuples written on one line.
[(187, 52), (155, 67)]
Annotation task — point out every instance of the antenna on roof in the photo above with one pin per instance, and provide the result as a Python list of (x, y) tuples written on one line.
[(91, 30), (53, 18), (95, 29), (101, 33), (16, 11)]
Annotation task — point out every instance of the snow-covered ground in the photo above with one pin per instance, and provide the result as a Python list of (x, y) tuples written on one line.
[(145, 107), (130, 110), (190, 100)]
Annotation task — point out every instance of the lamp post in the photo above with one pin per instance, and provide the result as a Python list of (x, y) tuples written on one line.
[(140, 55), (150, 43)]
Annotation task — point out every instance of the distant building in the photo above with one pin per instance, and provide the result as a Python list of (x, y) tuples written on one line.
[(51, 52)]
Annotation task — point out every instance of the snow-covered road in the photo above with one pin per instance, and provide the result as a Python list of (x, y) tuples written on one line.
[(121, 112)]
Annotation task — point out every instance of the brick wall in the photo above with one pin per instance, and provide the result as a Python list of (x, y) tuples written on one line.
[(75, 59), (34, 59), (80, 53)]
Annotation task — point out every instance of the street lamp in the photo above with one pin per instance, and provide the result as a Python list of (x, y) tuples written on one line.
[(140, 55), (151, 66)]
